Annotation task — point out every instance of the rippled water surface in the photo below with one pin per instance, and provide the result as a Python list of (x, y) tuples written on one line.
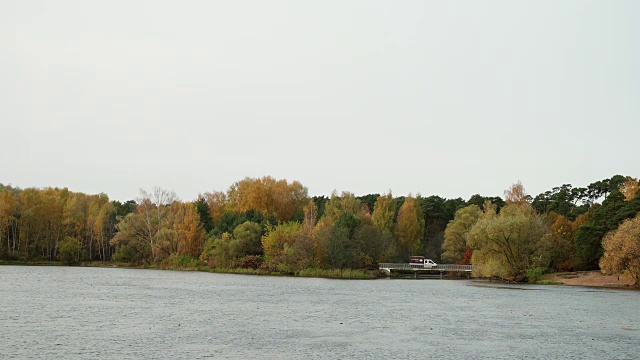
[(82, 313)]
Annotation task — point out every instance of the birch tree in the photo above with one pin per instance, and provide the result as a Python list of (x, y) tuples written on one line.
[(8, 220), (516, 194), (154, 209)]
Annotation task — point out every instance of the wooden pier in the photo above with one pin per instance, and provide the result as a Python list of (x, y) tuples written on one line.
[(419, 271)]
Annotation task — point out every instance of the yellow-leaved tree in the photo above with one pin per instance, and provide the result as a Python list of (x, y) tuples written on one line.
[(282, 248), (8, 220), (622, 250), (384, 212), (217, 202), (504, 246), (409, 228), (268, 196), (190, 233)]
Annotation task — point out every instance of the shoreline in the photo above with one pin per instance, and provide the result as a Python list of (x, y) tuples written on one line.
[(339, 274), (593, 278)]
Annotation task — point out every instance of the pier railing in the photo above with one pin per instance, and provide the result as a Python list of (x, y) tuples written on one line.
[(441, 267), (453, 267)]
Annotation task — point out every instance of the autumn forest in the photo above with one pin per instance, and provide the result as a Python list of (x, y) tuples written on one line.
[(266, 225)]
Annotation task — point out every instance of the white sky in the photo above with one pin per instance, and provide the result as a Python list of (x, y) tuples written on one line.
[(448, 98)]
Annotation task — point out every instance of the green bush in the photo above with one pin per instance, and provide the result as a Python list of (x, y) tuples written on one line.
[(176, 261), (69, 249), (534, 273), (124, 254)]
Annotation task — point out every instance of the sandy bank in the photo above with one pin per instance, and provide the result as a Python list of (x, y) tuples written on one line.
[(590, 278)]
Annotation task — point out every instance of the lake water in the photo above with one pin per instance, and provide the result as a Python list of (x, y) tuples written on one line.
[(99, 313)]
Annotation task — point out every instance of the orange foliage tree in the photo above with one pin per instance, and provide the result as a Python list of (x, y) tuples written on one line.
[(516, 194), (269, 196), (629, 188), (217, 202), (622, 250)]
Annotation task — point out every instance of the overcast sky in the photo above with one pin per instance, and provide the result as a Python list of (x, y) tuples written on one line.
[(446, 98)]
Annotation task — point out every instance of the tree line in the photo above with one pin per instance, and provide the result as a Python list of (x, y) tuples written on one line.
[(274, 225), (564, 229)]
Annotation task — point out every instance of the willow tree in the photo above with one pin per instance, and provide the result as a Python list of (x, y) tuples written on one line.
[(504, 245), (457, 232)]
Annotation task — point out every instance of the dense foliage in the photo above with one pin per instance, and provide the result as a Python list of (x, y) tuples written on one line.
[(273, 225), (560, 230)]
